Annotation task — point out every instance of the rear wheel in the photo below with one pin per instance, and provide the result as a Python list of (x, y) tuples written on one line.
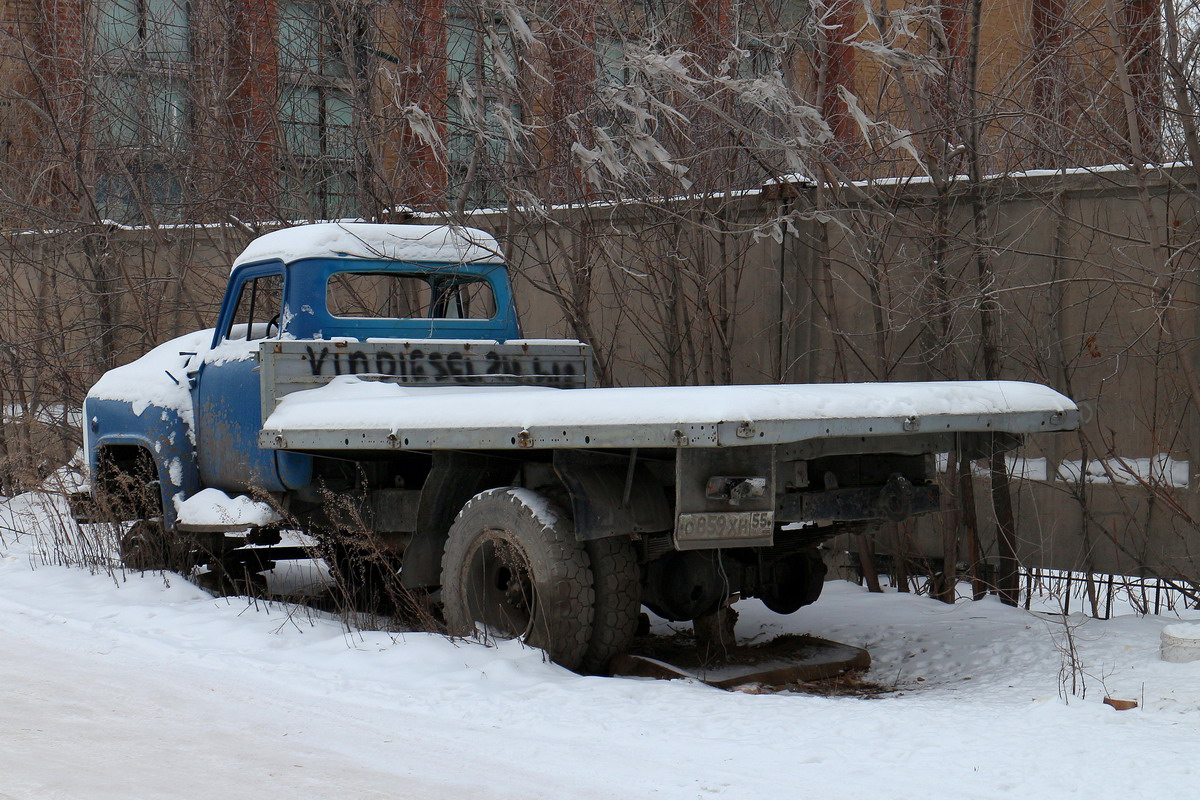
[(513, 569), (618, 589)]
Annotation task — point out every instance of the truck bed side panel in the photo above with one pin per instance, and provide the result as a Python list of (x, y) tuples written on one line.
[(384, 416)]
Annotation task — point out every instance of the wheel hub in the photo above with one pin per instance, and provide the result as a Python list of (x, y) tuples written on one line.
[(507, 602)]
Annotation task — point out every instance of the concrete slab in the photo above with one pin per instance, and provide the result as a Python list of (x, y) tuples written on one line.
[(781, 661)]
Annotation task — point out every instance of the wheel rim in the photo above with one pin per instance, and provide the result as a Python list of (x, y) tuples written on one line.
[(499, 587)]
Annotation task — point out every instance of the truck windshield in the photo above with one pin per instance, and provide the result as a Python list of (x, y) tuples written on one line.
[(406, 295)]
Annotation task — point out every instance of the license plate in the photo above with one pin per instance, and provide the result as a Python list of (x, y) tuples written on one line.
[(725, 528)]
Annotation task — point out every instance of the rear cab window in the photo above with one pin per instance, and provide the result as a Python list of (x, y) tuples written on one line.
[(375, 294)]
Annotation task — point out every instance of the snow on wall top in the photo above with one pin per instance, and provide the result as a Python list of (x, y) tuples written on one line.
[(917, 180), (438, 243)]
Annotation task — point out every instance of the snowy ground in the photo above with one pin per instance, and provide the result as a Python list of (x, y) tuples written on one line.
[(144, 686)]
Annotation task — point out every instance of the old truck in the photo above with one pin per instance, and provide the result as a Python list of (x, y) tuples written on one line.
[(368, 385)]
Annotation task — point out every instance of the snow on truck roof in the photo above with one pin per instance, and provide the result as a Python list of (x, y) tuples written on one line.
[(438, 243)]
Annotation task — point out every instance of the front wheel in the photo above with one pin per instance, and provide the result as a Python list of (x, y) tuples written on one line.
[(147, 547), (513, 569)]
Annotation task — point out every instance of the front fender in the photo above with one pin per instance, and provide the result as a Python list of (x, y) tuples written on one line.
[(161, 432)]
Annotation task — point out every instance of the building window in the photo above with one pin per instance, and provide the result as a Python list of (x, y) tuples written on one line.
[(147, 112), (141, 108), (482, 115), (319, 54), (760, 60), (153, 29), (614, 77), (612, 67)]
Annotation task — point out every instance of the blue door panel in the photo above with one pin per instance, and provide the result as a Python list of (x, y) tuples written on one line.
[(229, 420)]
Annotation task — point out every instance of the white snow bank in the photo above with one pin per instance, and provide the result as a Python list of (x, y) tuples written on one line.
[(37, 516), (1160, 470), (289, 704), (432, 243), (214, 507), (47, 414), (349, 402), (70, 477), (1029, 469)]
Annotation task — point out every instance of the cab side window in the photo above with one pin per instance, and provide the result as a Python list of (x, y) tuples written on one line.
[(258, 307)]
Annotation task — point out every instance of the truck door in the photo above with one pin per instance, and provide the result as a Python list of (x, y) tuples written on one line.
[(228, 414)]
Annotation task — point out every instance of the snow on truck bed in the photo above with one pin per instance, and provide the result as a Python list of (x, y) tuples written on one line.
[(383, 414)]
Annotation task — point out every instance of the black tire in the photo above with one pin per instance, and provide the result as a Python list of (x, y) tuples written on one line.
[(360, 582), (618, 589), (512, 567), (147, 547)]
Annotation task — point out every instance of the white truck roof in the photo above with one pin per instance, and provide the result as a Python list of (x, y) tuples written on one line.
[(437, 243)]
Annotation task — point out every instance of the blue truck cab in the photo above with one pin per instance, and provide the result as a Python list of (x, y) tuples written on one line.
[(186, 416)]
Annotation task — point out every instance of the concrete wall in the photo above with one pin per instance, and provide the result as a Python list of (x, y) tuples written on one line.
[(1093, 274), (1094, 277)]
